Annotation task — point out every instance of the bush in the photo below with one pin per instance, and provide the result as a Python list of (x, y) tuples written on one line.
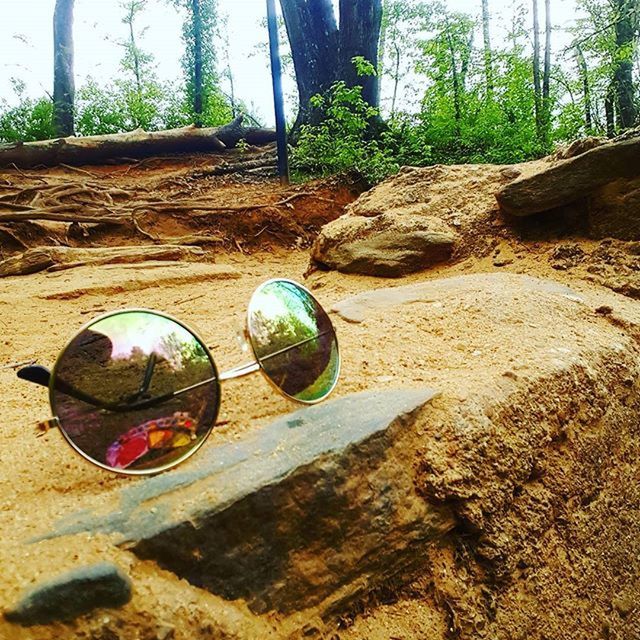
[(341, 141), (30, 120)]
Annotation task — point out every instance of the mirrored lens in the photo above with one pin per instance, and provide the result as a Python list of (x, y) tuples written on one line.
[(129, 395), (294, 340)]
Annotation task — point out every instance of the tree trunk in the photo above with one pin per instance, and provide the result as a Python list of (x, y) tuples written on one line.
[(609, 110), (360, 22), (536, 70), (546, 79), (625, 35), (313, 37), (455, 79), (586, 88), (197, 65), (63, 81), (322, 53), (137, 144), (134, 51), (488, 53)]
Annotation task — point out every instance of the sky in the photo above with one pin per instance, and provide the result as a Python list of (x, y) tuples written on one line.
[(26, 42)]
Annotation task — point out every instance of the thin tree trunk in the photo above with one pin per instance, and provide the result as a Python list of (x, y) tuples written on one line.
[(488, 53), (536, 70), (63, 81), (134, 53), (455, 78), (396, 80), (609, 109), (546, 79), (586, 88), (625, 35), (197, 66)]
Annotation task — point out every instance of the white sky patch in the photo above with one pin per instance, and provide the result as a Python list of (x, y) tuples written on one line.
[(26, 37)]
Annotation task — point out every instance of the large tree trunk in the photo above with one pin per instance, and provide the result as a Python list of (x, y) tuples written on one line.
[(322, 53), (625, 35), (360, 22), (488, 53), (63, 82), (313, 37), (197, 66), (137, 144)]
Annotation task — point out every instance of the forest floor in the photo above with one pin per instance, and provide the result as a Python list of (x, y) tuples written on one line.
[(253, 229)]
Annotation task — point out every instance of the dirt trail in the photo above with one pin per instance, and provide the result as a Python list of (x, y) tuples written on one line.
[(42, 478)]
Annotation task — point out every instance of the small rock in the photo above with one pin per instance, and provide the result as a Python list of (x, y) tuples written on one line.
[(624, 605), (165, 632), (604, 310), (503, 256), (72, 594), (567, 256), (510, 173)]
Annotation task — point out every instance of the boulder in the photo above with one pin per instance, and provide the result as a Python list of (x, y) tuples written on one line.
[(506, 506), (570, 180), (387, 246), (314, 510), (415, 219)]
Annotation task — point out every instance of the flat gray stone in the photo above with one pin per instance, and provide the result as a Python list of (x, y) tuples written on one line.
[(356, 308), (73, 594), (319, 505)]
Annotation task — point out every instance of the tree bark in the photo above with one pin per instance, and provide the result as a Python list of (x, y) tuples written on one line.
[(313, 37), (546, 77), (625, 35), (360, 22), (197, 66), (137, 144), (536, 70), (488, 53), (63, 80), (322, 53), (586, 88)]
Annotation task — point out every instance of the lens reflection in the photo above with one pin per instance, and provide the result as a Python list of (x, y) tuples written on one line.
[(294, 340), (108, 385)]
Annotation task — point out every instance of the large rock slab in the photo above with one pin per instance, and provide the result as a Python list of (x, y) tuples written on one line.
[(532, 447), (72, 594), (415, 219), (317, 508), (570, 180), (113, 279)]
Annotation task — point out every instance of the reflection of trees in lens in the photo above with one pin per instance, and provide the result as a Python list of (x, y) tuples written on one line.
[(88, 365), (302, 318)]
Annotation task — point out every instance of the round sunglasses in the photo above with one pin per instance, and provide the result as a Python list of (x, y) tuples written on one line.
[(138, 392)]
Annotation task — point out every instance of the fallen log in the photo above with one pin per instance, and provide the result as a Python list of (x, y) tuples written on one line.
[(136, 144), (57, 258)]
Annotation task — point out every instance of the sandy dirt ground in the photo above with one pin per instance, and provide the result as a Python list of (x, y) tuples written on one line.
[(42, 479)]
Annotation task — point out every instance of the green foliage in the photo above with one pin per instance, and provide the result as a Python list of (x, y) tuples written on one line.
[(340, 142), (29, 120)]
